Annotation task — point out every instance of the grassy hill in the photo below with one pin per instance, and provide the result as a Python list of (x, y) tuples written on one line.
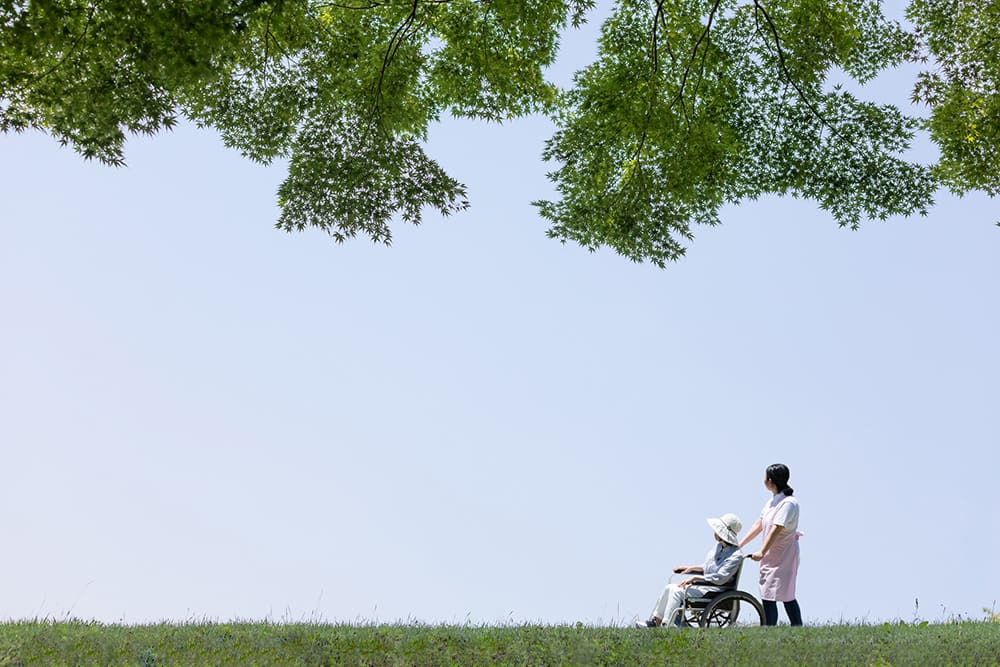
[(79, 643)]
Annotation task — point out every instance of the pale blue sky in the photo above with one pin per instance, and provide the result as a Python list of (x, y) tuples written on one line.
[(203, 417)]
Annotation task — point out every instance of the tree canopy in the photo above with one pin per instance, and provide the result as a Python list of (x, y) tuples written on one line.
[(688, 106)]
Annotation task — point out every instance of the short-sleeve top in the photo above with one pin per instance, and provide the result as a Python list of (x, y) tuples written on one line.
[(787, 515)]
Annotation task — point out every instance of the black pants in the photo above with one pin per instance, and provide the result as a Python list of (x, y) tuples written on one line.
[(791, 608)]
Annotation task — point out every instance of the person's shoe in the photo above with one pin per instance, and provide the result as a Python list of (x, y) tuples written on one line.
[(651, 623)]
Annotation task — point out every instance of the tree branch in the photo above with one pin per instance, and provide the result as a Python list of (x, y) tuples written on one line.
[(788, 76), (694, 51), (657, 18), (397, 40), (72, 47)]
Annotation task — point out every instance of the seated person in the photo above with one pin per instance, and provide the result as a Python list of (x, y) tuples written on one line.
[(720, 567)]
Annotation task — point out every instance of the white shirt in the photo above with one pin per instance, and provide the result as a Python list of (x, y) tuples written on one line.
[(787, 514)]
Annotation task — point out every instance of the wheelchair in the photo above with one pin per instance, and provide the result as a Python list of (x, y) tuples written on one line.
[(723, 608)]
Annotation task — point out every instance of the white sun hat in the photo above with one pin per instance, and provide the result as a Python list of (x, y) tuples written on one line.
[(727, 527)]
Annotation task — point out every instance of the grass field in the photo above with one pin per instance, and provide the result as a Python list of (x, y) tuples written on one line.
[(78, 643)]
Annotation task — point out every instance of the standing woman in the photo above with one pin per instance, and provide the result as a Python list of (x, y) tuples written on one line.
[(779, 555)]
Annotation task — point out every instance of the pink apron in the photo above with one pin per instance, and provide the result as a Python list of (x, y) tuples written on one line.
[(780, 565)]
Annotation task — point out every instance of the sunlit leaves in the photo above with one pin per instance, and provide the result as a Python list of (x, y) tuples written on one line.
[(695, 104), (962, 41), (690, 104), (343, 90)]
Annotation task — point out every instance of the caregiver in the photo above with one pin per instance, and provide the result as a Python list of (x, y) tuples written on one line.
[(779, 556)]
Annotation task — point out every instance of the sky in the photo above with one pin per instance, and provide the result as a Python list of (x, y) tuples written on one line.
[(205, 418)]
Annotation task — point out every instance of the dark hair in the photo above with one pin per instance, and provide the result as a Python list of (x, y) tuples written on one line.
[(778, 474)]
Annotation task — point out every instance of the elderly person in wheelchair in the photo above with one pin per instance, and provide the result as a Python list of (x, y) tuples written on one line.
[(721, 566)]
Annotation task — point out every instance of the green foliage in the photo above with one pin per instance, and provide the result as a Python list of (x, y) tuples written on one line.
[(344, 90), (690, 105), (725, 102), (91, 72), (962, 39), (262, 644)]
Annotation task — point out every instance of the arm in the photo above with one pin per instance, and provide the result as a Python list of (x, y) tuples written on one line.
[(754, 531), (768, 541), (689, 569)]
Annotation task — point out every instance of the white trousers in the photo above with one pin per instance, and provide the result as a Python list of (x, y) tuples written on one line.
[(671, 599)]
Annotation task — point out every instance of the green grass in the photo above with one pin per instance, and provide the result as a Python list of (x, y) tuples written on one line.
[(78, 643)]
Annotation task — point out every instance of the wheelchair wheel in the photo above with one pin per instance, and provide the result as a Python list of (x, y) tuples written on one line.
[(690, 616), (732, 608)]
